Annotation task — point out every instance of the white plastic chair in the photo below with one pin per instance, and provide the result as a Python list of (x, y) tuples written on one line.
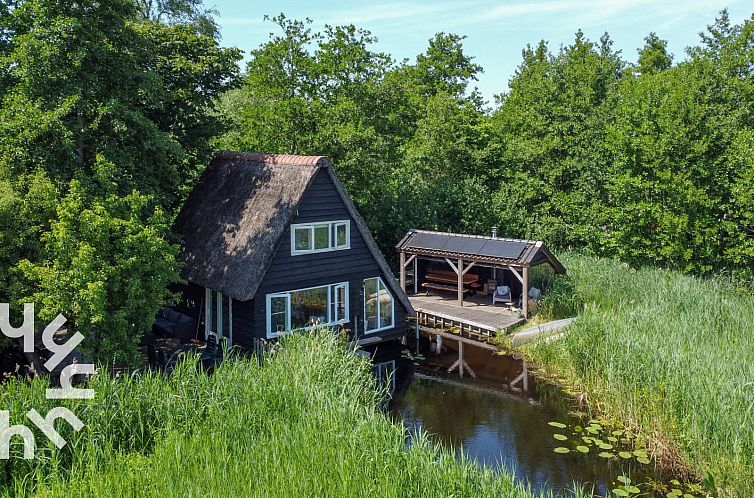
[(502, 294)]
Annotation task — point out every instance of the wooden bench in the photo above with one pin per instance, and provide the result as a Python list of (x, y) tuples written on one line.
[(442, 287)]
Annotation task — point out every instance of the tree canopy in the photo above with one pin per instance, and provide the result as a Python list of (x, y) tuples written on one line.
[(644, 160), (111, 109), (105, 122)]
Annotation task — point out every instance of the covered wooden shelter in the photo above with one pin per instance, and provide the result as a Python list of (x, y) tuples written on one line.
[(462, 253)]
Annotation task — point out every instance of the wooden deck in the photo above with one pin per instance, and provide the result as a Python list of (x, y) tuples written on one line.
[(477, 314)]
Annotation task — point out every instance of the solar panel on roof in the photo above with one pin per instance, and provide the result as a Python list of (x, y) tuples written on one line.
[(505, 249), (475, 246), (468, 245), (432, 241)]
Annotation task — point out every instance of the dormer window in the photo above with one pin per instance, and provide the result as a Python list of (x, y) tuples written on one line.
[(308, 238)]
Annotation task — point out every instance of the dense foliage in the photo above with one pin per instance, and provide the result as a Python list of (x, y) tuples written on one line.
[(306, 423), (667, 353), (105, 121), (648, 161), (110, 110)]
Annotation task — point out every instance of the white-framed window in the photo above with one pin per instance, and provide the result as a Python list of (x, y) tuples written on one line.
[(218, 312), (303, 309), (320, 237), (385, 374), (379, 306)]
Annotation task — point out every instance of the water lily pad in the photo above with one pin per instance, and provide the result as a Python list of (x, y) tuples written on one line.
[(605, 446), (559, 437), (617, 433), (612, 439), (643, 460), (632, 489), (578, 428), (625, 454), (605, 454), (620, 492), (640, 453), (561, 449), (557, 424), (624, 479), (592, 430), (582, 449)]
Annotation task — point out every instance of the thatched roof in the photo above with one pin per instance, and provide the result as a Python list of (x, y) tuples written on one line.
[(233, 220)]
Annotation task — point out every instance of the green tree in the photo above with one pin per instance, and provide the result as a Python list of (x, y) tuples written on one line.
[(180, 12), (106, 266), (445, 67), (654, 56), (109, 115), (549, 128)]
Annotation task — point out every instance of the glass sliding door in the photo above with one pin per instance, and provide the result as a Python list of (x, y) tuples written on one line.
[(219, 315)]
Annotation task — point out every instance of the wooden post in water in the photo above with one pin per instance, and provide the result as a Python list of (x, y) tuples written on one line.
[(523, 377), (417, 333)]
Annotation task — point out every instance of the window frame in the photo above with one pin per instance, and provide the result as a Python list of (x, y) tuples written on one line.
[(332, 227), (380, 282), (331, 297)]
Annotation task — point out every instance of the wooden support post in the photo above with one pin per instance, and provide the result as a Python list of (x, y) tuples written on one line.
[(460, 286), (516, 274), (525, 295), (403, 271), (416, 276)]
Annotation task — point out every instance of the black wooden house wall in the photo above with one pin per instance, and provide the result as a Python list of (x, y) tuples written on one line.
[(321, 202)]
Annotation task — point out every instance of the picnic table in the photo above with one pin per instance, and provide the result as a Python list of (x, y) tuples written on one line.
[(448, 281)]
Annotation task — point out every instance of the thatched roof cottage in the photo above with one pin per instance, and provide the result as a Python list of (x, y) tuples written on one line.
[(273, 243)]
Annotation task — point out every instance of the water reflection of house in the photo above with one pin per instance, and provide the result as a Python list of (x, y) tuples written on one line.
[(273, 244)]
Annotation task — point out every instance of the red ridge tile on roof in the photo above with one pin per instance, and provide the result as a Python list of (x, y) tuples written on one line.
[(293, 159)]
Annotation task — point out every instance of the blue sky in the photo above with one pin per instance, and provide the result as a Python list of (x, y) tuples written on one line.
[(496, 30)]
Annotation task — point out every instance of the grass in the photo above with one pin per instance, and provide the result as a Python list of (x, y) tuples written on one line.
[(307, 423), (668, 353)]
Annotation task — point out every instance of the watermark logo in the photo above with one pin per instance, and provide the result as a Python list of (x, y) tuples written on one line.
[(66, 390)]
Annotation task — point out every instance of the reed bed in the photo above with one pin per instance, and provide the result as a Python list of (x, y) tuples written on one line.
[(306, 423), (668, 353)]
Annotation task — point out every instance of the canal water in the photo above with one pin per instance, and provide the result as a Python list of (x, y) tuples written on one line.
[(501, 428)]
